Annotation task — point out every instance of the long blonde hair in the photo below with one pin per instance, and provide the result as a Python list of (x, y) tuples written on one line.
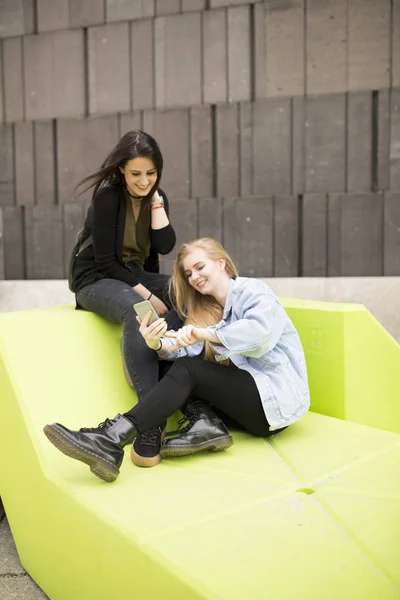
[(192, 306)]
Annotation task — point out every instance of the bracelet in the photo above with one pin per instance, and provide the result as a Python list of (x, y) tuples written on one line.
[(157, 206), (149, 296), (157, 201), (158, 350)]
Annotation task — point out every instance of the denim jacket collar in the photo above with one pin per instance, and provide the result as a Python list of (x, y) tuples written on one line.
[(229, 299)]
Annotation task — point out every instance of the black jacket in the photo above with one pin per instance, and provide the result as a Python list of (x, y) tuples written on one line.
[(105, 222)]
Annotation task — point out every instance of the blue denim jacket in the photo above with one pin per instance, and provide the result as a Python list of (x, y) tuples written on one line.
[(257, 335)]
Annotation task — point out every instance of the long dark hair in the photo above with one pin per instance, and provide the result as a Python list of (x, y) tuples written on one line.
[(133, 144)]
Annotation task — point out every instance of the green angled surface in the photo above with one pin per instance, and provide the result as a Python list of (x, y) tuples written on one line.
[(227, 526), (353, 363)]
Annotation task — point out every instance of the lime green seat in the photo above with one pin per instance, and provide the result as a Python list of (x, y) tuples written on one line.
[(353, 363), (312, 513)]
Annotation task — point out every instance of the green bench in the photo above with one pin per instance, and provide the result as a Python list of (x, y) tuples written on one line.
[(312, 513)]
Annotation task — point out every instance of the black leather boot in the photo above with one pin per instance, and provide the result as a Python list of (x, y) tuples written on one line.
[(99, 447), (204, 432)]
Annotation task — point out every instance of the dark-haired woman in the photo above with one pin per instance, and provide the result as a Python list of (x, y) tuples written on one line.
[(115, 263)]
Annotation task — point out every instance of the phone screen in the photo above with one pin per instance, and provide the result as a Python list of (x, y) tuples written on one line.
[(142, 308)]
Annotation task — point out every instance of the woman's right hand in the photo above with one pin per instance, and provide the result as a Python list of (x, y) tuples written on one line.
[(152, 333), (159, 306)]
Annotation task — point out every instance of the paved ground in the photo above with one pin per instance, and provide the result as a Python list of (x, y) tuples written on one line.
[(15, 583)]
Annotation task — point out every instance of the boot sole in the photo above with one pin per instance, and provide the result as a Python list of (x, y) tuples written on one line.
[(218, 445), (98, 466), (144, 461)]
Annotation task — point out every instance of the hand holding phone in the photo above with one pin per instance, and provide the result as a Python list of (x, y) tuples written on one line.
[(152, 327), (142, 308)]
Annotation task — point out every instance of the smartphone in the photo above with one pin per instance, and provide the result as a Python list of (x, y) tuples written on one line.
[(142, 308)]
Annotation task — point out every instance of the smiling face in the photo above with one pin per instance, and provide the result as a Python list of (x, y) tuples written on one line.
[(204, 274), (140, 175)]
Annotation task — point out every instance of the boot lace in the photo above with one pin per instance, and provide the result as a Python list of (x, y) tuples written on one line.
[(151, 437), (103, 425), (187, 421)]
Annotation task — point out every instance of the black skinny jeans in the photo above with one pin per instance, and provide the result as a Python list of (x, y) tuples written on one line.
[(114, 300), (233, 391)]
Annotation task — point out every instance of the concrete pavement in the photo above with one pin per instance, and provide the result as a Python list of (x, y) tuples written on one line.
[(15, 583)]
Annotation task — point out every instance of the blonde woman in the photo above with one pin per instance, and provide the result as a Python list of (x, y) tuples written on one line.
[(238, 352)]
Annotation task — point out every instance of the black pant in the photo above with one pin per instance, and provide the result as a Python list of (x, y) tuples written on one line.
[(231, 390), (114, 300)]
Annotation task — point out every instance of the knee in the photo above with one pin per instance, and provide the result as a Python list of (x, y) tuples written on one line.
[(182, 363), (187, 365), (129, 317)]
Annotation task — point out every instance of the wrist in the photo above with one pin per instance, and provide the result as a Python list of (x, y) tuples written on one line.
[(157, 200), (156, 347)]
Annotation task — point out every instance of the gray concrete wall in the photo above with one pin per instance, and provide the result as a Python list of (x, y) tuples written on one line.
[(279, 122), (379, 295)]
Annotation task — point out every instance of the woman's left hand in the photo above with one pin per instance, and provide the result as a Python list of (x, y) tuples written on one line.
[(186, 336)]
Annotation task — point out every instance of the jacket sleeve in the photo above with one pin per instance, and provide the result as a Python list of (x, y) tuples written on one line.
[(104, 233), (259, 328), (193, 350), (163, 240)]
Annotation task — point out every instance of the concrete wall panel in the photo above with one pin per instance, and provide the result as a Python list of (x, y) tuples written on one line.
[(326, 49), (239, 54), (45, 163), (142, 61), (178, 60), (284, 34), (109, 68), (13, 80), (214, 57), (24, 164), (83, 13), (7, 190), (369, 44), (54, 74), (52, 14), (325, 143), (82, 146)]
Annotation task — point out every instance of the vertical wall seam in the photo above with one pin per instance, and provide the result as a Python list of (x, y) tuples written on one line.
[(305, 12), (153, 65), (347, 30), (23, 83), (55, 154), (228, 83), (130, 63), (300, 235), (326, 274), (291, 134), (86, 71), (3, 83), (34, 164), (346, 142), (14, 161), (374, 140), (189, 112), (391, 34), (238, 146), (35, 17), (273, 198), (214, 170), (202, 62), (252, 50)]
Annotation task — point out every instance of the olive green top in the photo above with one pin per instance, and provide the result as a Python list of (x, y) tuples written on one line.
[(136, 247)]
